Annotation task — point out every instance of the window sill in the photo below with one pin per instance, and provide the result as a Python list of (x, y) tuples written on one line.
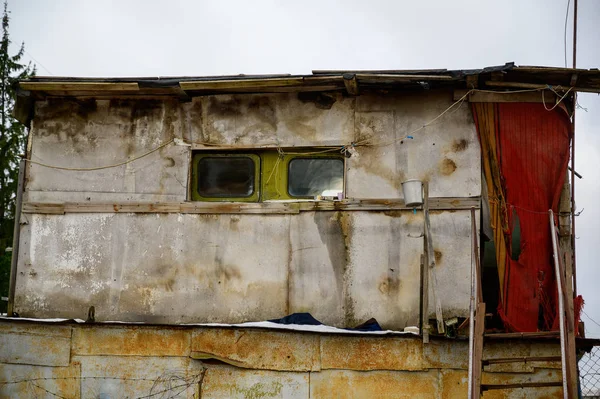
[(271, 207)]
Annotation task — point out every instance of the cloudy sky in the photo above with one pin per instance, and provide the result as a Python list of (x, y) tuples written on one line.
[(162, 38)]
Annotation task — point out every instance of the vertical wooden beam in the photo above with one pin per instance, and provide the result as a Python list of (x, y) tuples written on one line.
[(479, 327), (16, 238), (424, 320), (430, 257), (351, 84), (425, 258), (478, 349)]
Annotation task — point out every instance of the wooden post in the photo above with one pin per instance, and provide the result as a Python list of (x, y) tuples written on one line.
[(479, 327), (430, 262), (16, 237), (424, 322)]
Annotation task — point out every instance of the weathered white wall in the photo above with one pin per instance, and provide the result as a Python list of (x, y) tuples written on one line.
[(343, 267)]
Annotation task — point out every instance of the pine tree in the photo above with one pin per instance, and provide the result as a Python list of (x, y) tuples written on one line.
[(12, 144)]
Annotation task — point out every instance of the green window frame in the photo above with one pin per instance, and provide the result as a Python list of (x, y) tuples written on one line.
[(271, 174), (275, 175), (199, 157)]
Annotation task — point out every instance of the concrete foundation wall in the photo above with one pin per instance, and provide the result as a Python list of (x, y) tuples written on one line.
[(343, 267), (109, 361)]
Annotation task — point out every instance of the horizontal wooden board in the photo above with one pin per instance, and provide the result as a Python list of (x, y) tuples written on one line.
[(240, 207), (506, 97), (83, 86)]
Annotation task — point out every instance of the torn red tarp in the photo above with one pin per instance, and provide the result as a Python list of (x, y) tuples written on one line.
[(532, 152)]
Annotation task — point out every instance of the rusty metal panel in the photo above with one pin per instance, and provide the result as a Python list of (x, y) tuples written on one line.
[(454, 384), (371, 353), (446, 354), (266, 350), (35, 344), (495, 350), (131, 340), (374, 384), (25, 381), (234, 383), (539, 375), (133, 376)]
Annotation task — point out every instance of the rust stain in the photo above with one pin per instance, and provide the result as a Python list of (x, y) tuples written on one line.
[(375, 384), (460, 145), (447, 166), (389, 284), (131, 340), (438, 256), (299, 125), (225, 107), (359, 353), (265, 350), (321, 100)]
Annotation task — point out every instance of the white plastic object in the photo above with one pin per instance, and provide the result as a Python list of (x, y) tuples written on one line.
[(413, 192)]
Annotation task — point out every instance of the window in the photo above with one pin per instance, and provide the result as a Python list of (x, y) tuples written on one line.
[(225, 177), (308, 177), (265, 175)]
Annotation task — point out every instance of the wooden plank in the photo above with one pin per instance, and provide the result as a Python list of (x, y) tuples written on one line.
[(506, 97), (44, 208), (478, 349), (16, 239), (524, 359), (424, 300), (437, 204), (83, 86), (430, 262), (351, 84), (490, 387), (336, 81), (401, 78), (572, 377), (524, 335), (521, 85), (472, 81)]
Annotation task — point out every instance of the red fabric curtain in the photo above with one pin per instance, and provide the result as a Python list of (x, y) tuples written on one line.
[(533, 155)]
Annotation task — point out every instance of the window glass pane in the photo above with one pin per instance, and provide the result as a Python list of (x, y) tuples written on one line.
[(226, 177), (316, 176)]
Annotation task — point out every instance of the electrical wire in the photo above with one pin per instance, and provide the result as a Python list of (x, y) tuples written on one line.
[(592, 320), (99, 167)]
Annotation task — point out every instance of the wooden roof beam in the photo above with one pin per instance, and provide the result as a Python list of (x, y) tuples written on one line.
[(249, 84), (351, 84), (79, 86)]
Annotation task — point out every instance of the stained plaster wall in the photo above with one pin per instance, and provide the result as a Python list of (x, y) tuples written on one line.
[(343, 267)]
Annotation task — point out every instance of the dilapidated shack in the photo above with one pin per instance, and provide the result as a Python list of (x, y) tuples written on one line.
[(237, 199)]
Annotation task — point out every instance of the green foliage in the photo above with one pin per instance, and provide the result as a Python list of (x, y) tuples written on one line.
[(12, 142)]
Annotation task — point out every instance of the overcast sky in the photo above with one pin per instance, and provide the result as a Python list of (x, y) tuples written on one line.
[(162, 38)]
